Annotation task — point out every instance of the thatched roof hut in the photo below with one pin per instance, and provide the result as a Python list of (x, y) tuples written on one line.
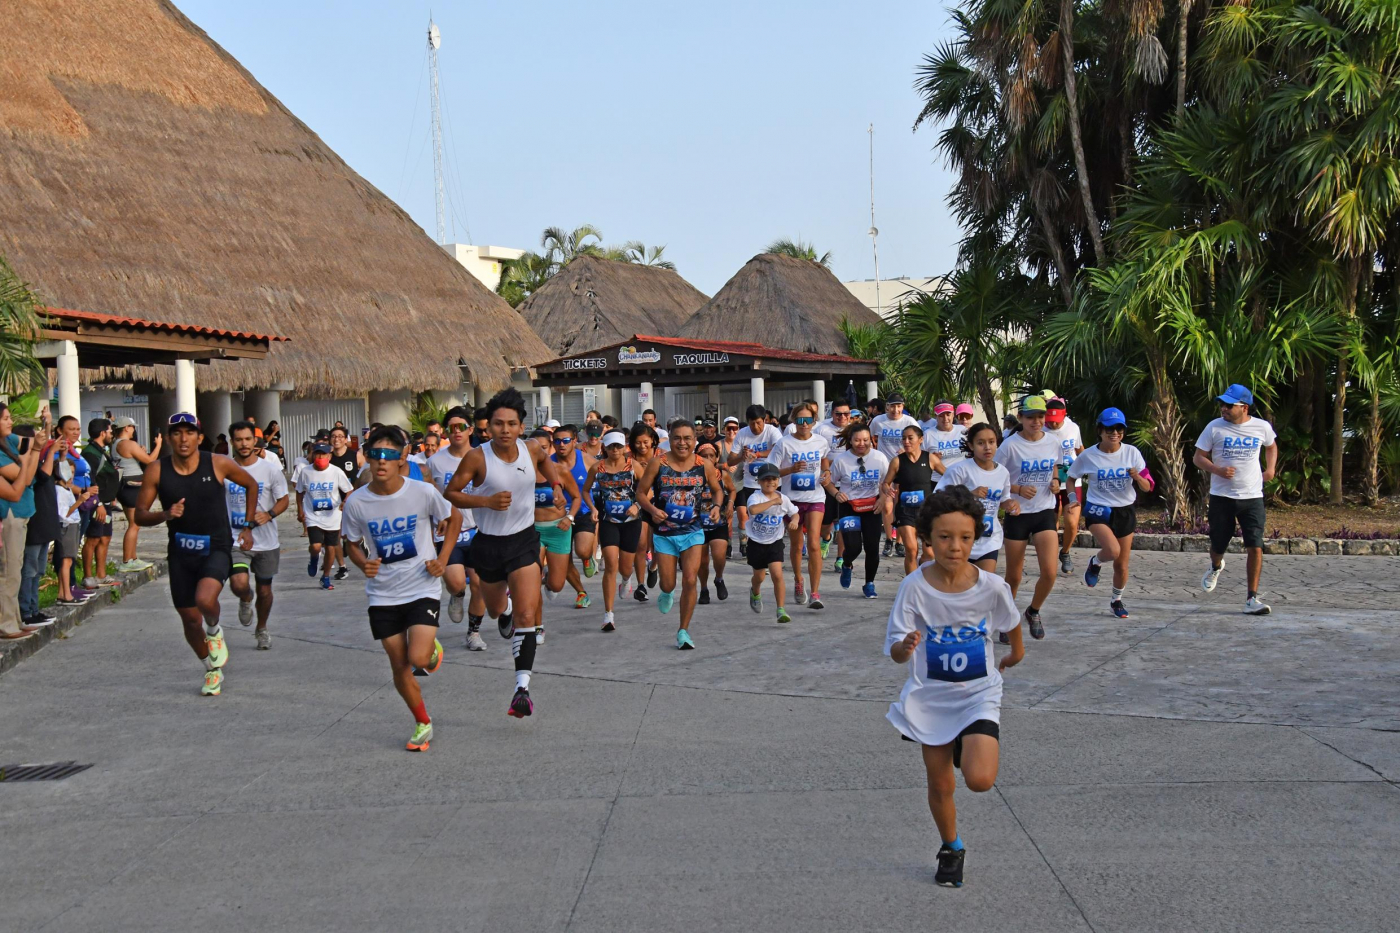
[(779, 301), (144, 172), (593, 302)]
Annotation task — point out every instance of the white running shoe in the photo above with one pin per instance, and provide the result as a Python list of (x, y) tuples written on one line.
[(549, 594), (539, 636), (454, 607), (474, 642), (263, 639), (609, 622), (1255, 606), (624, 589), (245, 612), (1212, 577)]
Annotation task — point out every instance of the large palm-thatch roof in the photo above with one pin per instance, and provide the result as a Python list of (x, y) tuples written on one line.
[(593, 302), (783, 302), (144, 172)]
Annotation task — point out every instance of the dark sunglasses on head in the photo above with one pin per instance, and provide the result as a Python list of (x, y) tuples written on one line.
[(382, 453), (183, 417)]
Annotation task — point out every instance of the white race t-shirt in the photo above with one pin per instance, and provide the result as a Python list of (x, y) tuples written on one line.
[(1031, 464), (299, 464), (889, 434), (767, 526), (441, 466), (272, 485), (1070, 439), (1109, 482), (829, 431), (322, 491), (1238, 446), (664, 442), (947, 444), (398, 529), (856, 482), (953, 678), (968, 474), (804, 486), (761, 443)]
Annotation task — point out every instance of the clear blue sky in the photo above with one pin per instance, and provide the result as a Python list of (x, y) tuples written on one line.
[(712, 127)]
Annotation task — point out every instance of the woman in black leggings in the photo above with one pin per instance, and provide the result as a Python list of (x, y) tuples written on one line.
[(854, 481)]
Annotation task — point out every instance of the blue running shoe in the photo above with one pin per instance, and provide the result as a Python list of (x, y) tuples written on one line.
[(868, 590), (311, 567), (326, 583), (683, 641), (846, 577), (664, 602), (1091, 573), (1120, 610)]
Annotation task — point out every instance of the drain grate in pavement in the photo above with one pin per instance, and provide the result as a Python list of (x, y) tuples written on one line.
[(54, 772)]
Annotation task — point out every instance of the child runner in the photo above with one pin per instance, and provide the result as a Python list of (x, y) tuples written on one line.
[(506, 549), (1031, 457), (677, 477), (854, 482), (262, 561), (988, 481), (1112, 468), (941, 626), (389, 525), (750, 448), (643, 440), (320, 489), (717, 534), (909, 482), (943, 437), (459, 574), (887, 430), (768, 510), (67, 548), (619, 525), (803, 458)]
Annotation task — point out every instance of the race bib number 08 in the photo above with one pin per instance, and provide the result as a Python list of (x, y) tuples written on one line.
[(802, 482)]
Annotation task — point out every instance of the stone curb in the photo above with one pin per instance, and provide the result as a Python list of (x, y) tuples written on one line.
[(1311, 547), (13, 652)]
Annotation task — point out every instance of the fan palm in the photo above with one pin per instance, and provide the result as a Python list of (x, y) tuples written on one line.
[(21, 316), (561, 246), (635, 251), (798, 250)]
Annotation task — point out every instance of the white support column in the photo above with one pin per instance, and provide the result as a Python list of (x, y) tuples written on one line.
[(547, 401), (69, 391), (391, 407), (646, 398), (819, 396), (756, 390), (184, 386), (872, 390), (215, 410)]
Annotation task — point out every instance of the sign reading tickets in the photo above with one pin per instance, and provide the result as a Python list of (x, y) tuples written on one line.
[(633, 355), (591, 362)]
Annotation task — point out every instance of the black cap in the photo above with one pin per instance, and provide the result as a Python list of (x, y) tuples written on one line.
[(322, 435), (895, 399), (767, 471), (708, 423), (320, 449)]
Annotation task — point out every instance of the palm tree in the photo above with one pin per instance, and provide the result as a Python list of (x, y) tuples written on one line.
[(21, 317), (561, 246), (798, 250), (522, 277), (635, 252)]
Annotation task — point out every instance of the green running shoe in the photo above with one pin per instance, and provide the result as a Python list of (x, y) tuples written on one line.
[(218, 650), (422, 732), (783, 615), (755, 601)]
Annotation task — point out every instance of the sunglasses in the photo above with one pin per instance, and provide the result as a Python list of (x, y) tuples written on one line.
[(1112, 428), (183, 417), (561, 441), (805, 420), (459, 426), (382, 453)]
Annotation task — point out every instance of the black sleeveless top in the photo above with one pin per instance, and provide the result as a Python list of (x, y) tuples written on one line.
[(915, 480), (204, 527), (677, 493), (614, 495)]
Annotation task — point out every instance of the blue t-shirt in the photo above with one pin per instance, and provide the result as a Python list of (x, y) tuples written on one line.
[(24, 508)]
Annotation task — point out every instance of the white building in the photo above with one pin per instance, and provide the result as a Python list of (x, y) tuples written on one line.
[(893, 293), (484, 262)]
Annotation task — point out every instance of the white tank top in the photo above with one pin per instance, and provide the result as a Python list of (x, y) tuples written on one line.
[(516, 478), (443, 465)]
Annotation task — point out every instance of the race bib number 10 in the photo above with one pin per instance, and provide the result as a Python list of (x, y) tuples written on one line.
[(957, 662)]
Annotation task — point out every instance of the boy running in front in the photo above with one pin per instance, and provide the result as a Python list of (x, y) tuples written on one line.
[(768, 510), (941, 625), (388, 529)]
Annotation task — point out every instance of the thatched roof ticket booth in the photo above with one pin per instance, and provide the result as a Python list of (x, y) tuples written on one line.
[(647, 362)]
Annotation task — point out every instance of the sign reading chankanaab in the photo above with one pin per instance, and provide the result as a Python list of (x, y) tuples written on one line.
[(632, 355)]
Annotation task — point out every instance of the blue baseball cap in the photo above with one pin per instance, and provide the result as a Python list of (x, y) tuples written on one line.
[(1236, 395), (1111, 416)]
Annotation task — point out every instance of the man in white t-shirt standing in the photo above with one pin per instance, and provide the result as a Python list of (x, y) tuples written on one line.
[(887, 431), (1228, 449)]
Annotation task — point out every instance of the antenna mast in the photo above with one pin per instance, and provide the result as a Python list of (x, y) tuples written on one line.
[(434, 42), (874, 230)]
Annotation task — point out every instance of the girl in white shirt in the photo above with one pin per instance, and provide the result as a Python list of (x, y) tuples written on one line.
[(802, 458), (988, 481), (1112, 468), (941, 626)]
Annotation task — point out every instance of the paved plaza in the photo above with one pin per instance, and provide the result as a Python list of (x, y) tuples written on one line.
[(1187, 769)]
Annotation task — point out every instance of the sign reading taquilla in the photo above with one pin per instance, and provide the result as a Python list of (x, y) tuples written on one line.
[(700, 359)]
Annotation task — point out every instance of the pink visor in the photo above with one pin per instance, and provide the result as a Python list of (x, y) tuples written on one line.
[(940, 409)]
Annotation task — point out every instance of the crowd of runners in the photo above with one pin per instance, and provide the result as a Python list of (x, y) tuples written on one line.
[(505, 518)]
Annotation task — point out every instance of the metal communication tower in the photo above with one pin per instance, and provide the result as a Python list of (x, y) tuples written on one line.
[(434, 42)]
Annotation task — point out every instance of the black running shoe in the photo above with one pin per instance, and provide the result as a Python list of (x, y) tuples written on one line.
[(640, 594), (704, 598), (652, 575), (744, 547), (1004, 638), (899, 549), (721, 590), (342, 572), (520, 707), (950, 866), (1033, 623), (889, 548), (506, 624)]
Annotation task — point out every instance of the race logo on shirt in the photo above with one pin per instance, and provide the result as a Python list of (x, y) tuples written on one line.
[(957, 655), (1112, 477), (238, 508), (394, 538), (321, 492), (806, 478), (1037, 472), (1240, 448)]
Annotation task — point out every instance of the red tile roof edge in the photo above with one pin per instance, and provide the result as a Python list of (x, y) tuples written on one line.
[(122, 320)]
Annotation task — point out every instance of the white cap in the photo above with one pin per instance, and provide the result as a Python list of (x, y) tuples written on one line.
[(552, 423), (731, 418), (614, 437)]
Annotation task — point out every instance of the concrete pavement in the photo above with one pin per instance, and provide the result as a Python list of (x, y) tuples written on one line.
[(1187, 769)]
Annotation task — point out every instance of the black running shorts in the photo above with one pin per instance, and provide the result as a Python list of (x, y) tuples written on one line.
[(387, 621), (1022, 527), (718, 532), (496, 557), (186, 571), (321, 536), (1120, 519), (1222, 515), (625, 536), (761, 555), (585, 524)]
